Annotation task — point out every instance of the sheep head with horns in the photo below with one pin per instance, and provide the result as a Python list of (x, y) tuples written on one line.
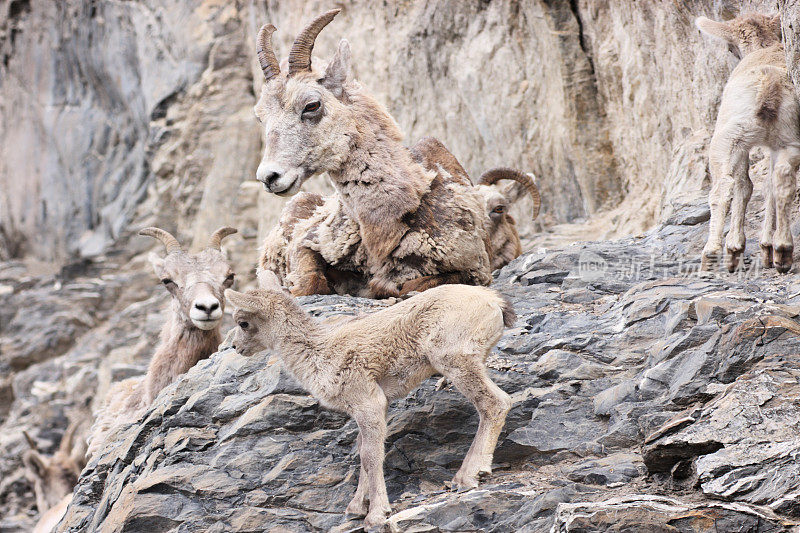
[(308, 116), (197, 282)]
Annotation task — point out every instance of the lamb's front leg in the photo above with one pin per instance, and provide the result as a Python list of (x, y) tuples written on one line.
[(358, 506), (742, 191), (371, 420)]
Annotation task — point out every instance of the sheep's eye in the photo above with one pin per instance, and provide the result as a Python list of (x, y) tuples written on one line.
[(499, 209), (244, 325), (167, 281), (229, 280), (310, 108)]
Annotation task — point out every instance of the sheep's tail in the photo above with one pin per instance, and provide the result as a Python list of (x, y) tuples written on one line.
[(770, 94), (509, 315)]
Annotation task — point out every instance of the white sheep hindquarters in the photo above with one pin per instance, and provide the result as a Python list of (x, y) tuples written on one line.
[(360, 365), (759, 108)]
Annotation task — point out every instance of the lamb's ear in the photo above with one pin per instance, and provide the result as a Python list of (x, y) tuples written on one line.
[(241, 301), (338, 69), (722, 30), (157, 262), (268, 280), (35, 463)]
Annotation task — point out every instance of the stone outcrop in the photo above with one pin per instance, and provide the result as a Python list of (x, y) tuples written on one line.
[(644, 393)]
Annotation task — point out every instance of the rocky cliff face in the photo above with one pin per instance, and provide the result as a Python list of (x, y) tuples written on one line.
[(646, 396), (110, 112)]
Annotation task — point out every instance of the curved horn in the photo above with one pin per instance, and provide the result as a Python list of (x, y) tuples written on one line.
[(68, 438), (220, 234), (490, 177), (165, 237), (300, 55), (266, 56)]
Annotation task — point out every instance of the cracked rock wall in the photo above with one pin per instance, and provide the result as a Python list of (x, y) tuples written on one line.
[(110, 112)]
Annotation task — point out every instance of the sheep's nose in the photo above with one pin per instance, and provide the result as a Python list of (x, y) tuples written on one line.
[(207, 307), (268, 173)]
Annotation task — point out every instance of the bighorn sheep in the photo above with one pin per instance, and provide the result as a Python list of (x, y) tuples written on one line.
[(400, 226), (359, 365), (196, 283), (759, 108), (306, 212), (54, 476)]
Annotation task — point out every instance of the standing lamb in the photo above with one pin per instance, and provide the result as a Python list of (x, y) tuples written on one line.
[(400, 226), (196, 283), (359, 365), (759, 108)]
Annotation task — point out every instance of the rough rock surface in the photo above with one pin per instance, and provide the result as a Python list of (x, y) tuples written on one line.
[(644, 394), (111, 111)]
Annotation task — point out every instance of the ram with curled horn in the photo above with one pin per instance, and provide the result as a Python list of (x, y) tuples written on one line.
[(401, 219)]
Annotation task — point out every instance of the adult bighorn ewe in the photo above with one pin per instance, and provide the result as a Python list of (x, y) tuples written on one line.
[(759, 108), (401, 225), (196, 283), (302, 219), (359, 365)]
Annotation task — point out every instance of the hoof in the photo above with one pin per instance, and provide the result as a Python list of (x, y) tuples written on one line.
[(782, 257), (734, 260), (709, 262), (766, 255), (357, 507), (376, 519), (462, 482)]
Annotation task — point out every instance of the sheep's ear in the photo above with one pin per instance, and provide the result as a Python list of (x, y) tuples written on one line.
[(241, 301), (268, 280), (337, 71), (157, 262), (35, 463), (722, 30)]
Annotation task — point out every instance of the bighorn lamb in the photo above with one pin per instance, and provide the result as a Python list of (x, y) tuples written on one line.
[(196, 283), (758, 108), (304, 215), (359, 365), (400, 227), (54, 476)]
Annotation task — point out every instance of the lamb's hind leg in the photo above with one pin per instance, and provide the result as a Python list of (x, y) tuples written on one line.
[(768, 228), (492, 404), (784, 188)]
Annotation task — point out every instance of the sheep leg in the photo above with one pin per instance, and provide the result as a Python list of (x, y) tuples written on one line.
[(492, 404), (424, 283), (723, 156), (309, 270), (371, 420), (358, 506), (742, 191), (784, 189), (768, 229)]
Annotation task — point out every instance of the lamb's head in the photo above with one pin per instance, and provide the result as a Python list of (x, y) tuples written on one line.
[(745, 33), (196, 281), (308, 116), (261, 315), (502, 227), (54, 476)]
